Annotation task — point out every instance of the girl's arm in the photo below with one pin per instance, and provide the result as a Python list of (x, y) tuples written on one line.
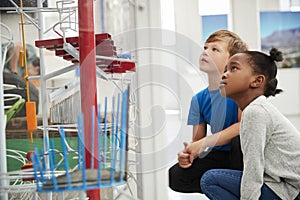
[(217, 139), (221, 138), (254, 130), (225, 136)]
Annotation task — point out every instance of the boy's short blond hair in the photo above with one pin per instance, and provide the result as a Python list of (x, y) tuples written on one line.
[(234, 42)]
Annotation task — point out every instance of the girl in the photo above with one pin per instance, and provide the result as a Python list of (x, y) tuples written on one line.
[(270, 143)]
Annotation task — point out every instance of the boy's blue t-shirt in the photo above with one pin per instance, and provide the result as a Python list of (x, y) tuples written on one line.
[(211, 108)]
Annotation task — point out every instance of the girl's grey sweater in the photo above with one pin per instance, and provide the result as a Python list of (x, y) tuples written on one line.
[(271, 148)]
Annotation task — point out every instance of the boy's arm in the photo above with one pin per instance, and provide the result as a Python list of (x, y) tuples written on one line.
[(199, 132)]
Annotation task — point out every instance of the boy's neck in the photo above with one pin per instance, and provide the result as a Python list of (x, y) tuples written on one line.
[(214, 81)]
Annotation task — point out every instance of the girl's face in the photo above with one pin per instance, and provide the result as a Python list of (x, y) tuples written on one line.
[(214, 57), (238, 77)]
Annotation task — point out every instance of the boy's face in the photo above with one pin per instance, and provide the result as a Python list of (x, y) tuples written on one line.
[(214, 57)]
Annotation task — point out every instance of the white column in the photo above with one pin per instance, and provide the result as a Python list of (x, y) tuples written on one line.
[(159, 86), (188, 19), (245, 21), (147, 17)]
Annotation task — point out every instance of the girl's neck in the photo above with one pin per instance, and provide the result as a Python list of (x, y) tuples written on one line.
[(243, 100)]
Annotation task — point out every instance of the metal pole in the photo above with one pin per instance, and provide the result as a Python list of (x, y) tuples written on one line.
[(3, 165), (43, 87), (87, 58)]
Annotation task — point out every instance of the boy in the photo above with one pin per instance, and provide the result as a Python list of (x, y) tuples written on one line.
[(208, 107)]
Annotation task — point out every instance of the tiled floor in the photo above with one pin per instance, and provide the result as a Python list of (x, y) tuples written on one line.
[(183, 196)]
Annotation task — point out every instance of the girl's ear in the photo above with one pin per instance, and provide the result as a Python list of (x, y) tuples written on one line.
[(258, 81)]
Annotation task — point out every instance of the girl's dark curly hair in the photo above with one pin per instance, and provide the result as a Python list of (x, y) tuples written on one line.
[(266, 65)]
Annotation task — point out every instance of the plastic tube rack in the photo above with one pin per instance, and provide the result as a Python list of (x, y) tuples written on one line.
[(111, 159)]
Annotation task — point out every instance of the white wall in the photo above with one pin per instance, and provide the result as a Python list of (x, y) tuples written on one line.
[(288, 102)]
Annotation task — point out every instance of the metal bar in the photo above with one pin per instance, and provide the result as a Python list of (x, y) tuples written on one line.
[(43, 88), (60, 71), (3, 161)]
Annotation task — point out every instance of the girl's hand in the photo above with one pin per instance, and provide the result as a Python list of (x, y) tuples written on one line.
[(194, 149)]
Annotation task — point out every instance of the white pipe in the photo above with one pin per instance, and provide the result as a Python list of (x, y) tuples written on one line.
[(43, 87), (3, 161)]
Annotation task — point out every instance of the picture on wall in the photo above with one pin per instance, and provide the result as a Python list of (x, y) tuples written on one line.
[(282, 30)]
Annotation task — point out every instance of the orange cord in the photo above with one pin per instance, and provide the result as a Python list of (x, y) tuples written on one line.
[(30, 106)]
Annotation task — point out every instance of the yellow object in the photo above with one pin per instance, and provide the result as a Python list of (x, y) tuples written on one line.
[(21, 59), (31, 116)]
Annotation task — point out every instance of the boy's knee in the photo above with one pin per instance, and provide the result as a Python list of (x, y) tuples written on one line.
[(172, 176), (175, 182)]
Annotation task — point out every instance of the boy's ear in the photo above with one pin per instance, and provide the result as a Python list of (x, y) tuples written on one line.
[(257, 81)]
